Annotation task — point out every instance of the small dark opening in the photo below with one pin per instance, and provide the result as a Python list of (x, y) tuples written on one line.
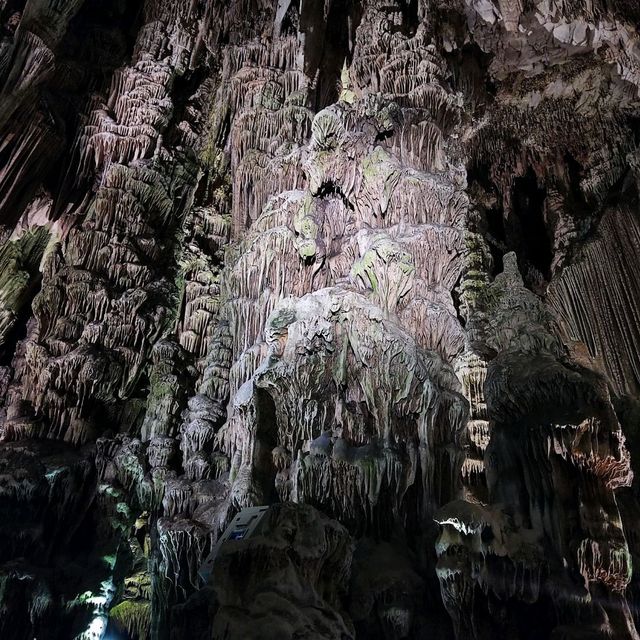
[(20, 327), (182, 92), (6, 15), (330, 188), (290, 22), (383, 135), (266, 441), (469, 74), (455, 295), (574, 172), (492, 225), (410, 21), (575, 201), (496, 236), (528, 201), (328, 45), (486, 535)]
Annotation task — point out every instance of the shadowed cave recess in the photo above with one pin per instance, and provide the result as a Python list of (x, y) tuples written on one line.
[(374, 265)]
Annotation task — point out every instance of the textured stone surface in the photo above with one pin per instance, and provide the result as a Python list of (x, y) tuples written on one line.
[(372, 263)]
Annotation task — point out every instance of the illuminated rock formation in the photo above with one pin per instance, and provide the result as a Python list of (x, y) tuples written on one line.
[(374, 264)]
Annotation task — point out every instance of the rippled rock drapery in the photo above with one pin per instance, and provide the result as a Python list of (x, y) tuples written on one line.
[(372, 263)]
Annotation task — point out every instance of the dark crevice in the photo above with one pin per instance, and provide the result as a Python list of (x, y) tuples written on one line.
[(455, 295), (266, 441), (496, 237), (330, 188), (20, 327), (489, 203), (384, 135), (328, 45), (527, 229), (409, 20), (11, 7), (291, 21), (10, 16), (574, 173), (182, 93), (469, 75)]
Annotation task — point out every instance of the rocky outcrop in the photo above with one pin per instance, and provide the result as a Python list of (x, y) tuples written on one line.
[(373, 264)]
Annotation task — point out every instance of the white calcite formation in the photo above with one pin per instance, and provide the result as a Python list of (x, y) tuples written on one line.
[(371, 264)]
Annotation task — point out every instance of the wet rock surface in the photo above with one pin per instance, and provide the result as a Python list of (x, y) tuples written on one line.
[(373, 264)]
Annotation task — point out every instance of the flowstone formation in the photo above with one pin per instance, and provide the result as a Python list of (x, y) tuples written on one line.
[(371, 264)]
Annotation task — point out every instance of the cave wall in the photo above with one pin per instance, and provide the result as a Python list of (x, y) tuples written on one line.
[(372, 263)]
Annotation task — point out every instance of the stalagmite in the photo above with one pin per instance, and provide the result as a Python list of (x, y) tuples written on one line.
[(372, 266)]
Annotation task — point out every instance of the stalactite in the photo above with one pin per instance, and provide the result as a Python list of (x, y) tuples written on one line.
[(369, 265)]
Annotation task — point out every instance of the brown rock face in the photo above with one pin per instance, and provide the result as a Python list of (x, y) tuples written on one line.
[(374, 265)]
